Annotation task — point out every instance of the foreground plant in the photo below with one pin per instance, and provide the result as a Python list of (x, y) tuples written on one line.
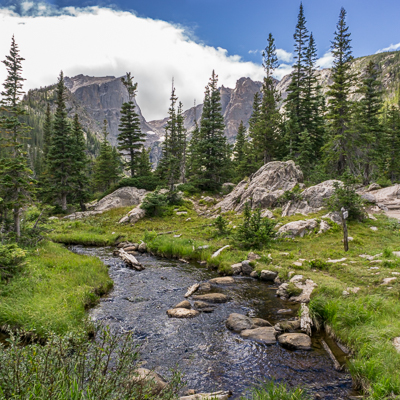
[(276, 391), (72, 368)]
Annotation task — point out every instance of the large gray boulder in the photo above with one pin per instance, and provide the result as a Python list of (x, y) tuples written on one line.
[(238, 322), (133, 216), (265, 334), (295, 341), (297, 228), (264, 187), (313, 199), (123, 197)]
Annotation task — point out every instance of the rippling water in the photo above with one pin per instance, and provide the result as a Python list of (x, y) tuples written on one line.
[(210, 356)]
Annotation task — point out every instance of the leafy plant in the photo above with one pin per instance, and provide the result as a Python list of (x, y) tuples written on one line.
[(345, 196), (255, 231), (11, 260), (155, 204)]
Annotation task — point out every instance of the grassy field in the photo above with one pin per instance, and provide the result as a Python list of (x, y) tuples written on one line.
[(53, 291), (367, 321)]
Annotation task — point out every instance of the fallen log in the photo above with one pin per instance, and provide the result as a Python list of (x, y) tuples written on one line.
[(221, 395), (336, 363), (130, 260), (306, 322), (192, 289)]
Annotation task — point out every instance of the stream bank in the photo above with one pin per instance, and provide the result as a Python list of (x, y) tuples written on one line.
[(209, 355)]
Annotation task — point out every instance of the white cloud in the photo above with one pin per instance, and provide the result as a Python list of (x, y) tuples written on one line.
[(326, 61), (392, 47), (284, 69), (99, 41), (284, 55), (255, 51)]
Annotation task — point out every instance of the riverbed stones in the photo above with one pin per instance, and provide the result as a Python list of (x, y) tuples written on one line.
[(142, 247), (267, 275), (265, 334), (282, 290), (254, 275), (236, 268), (259, 322), (204, 307), (253, 256), (146, 376), (247, 268), (182, 313), (238, 322), (225, 280), (204, 287), (289, 325), (295, 341), (212, 297), (184, 304)]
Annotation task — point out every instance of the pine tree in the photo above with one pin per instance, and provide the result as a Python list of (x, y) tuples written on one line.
[(294, 101), (192, 151), (266, 132), (106, 170), (130, 137), (210, 166), (392, 125), (181, 132), (16, 183), (144, 165), (239, 149), (47, 128), (371, 149), (79, 165), (61, 151), (338, 150)]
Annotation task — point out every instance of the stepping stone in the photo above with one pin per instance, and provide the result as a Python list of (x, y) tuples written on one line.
[(295, 341), (226, 280), (182, 313), (264, 334), (212, 297), (184, 304)]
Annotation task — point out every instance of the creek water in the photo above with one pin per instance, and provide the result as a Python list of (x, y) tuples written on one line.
[(209, 355)]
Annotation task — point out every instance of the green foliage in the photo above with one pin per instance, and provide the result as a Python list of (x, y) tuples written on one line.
[(319, 264), (293, 290), (254, 232), (149, 236), (11, 260), (276, 391), (155, 203), (188, 188), (290, 195), (221, 224), (72, 368), (345, 196)]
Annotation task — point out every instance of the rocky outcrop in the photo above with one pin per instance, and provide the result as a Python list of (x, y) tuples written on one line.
[(133, 216), (297, 228), (264, 187), (122, 197), (387, 199), (312, 199)]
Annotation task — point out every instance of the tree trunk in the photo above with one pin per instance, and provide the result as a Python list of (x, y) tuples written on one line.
[(64, 201), (17, 222)]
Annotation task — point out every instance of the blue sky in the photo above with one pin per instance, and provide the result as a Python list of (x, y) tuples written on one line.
[(158, 40)]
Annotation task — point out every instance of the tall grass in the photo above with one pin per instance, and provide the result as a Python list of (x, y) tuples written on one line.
[(276, 391), (53, 290)]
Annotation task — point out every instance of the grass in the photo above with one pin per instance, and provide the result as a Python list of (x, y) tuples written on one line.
[(276, 391), (367, 321), (53, 291)]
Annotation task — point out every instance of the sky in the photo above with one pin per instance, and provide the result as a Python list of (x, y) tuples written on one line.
[(157, 40)]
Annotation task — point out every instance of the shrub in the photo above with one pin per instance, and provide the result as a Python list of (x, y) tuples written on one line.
[(11, 260), (155, 204), (188, 188), (254, 231), (345, 196), (221, 224), (290, 195), (71, 367)]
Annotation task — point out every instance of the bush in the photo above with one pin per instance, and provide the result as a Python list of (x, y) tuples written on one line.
[(290, 195), (71, 367), (254, 231), (11, 260), (221, 224), (188, 188), (155, 204), (345, 196)]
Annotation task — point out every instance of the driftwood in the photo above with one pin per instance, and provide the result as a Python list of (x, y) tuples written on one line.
[(192, 289), (306, 322), (218, 252), (336, 363), (130, 260), (221, 395), (166, 233)]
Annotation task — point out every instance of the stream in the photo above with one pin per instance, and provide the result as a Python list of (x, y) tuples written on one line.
[(210, 356)]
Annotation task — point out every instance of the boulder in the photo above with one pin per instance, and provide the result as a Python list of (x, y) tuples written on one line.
[(334, 217), (259, 322), (203, 306), (370, 198), (313, 199), (254, 275), (247, 269), (267, 214), (236, 268), (265, 334), (212, 297), (267, 275), (297, 228), (182, 313), (282, 290), (184, 304), (264, 187), (323, 227), (133, 216), (142, 247), (307, 288), (238, 322), (253, 256), (373, 186), (122, 197), (225, 280), (204, 287), (150, 377), (295, 341)]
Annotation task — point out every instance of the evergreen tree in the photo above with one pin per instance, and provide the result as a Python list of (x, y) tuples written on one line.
[(62, 151), (210, 166), (16, 183), (294, 101), (106, 169), (192, 151), (181, 132), (338, 150), (239, 154), (130, 137), (371, 149), (266, 132), (392, 126), (47, 128), (79, 165), (144, 164)]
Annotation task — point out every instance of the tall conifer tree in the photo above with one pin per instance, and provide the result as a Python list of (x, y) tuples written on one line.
[(392, 125), (130, 136), (16, 183)]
